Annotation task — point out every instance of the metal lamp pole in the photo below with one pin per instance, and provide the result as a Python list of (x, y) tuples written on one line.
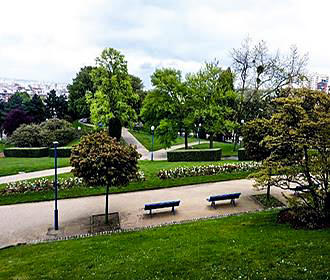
[(152, 143), (199, 139), (55, 186)]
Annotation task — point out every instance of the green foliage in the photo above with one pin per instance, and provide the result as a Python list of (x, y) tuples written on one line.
[(26, 152), (114, 93), (62, 152), (27, 136), (56, 130), (114, 128), (101, 160), (168, 106), (56, 106), (242, 155), (36, 109), (194, 155), (300, 148), (253, 134), (81, 84), (212, 90)]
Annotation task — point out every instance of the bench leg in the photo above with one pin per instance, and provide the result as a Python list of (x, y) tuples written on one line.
[(173, 210), (233, 202), (213, 204), (150, 212)]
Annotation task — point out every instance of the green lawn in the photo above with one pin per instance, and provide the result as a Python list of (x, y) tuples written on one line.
[(250, 246), (12, 165), (150, 170), (227, 148), (146, 138)]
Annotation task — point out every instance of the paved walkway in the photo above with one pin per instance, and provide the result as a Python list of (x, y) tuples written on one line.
[(26, 222)]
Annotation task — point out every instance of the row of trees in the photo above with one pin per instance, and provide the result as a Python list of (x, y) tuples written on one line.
[(22, 109)]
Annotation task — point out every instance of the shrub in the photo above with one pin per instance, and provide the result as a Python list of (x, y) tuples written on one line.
[(57, 130), (61, 152), (27, 136), (26, 152), (101, 160), (180, 172), (194, 155)]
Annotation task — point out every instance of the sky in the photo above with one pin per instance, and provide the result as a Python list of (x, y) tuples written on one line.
[(51, 40)]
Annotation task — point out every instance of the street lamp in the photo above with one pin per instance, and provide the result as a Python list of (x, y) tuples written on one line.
[(199, 139), (152, 143), (55, 186)]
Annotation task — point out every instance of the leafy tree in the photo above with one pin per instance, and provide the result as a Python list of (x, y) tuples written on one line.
[(101, 160), (82, 83), (300, 149), (114, 92), (2, 115), (168, 106), (214, 98), (36, 109), (18, 100), (14, 119), (137, 87), (56, 106)]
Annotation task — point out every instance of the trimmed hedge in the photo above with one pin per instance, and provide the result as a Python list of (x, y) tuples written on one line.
[(61, 152), (26, 152), (194, 155), (242, 154)]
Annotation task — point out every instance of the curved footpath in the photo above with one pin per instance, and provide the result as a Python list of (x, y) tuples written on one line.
[(23, 223)]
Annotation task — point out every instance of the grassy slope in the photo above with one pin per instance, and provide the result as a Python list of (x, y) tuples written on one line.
[(11, 165), (145, 139), (227, 148), (251, 246), (152, 181)]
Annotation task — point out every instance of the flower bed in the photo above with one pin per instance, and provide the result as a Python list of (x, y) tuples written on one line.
[(40, 185), (181, 172)]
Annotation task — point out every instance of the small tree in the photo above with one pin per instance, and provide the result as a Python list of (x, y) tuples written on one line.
[(14, 119), (101, 160), (300, 149)]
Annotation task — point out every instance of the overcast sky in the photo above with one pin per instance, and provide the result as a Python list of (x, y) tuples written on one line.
[(51, 40)]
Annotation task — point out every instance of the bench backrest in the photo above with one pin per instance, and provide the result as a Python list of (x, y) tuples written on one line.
[(162, 204), (224, 196)]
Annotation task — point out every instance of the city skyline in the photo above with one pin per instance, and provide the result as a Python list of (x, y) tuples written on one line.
[(51, 41)]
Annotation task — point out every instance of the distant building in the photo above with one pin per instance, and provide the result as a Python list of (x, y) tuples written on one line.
[(319, 82)]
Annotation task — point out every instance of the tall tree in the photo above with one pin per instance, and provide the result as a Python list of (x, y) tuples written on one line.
[(56, 106), (137, 87), (36, 109), (300, 149), (113, 89), (18, 100), (260, 76), (82, 83), (14, 119), (168, 106), (214, 97)]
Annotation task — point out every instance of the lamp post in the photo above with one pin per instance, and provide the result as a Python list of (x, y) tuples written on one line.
[(152, 143), (55, 186), (199, 139)]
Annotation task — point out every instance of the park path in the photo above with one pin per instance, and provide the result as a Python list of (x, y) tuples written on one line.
[(22, 223)]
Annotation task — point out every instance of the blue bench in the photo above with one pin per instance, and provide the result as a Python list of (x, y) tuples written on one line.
[(163, 204), (231, 196)]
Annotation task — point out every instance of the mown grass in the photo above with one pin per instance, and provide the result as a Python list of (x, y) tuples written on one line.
[(150, 170), (250, 246), (12, 165), (227, 148), (145, 139)]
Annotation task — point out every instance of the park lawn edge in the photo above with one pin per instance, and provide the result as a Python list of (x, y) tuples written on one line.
[(100, 190)]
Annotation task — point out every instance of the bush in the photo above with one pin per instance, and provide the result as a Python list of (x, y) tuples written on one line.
[(57, 130), (194, 155), (61, 152), (101, 160), (26, 152), (27, 136)]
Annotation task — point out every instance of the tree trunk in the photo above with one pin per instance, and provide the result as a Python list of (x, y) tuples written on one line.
[(106, 221), (186, 139), (268, 185), (211, 141)]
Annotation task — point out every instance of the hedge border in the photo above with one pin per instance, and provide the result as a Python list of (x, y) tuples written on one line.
[(194, 155), (26, 152)]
